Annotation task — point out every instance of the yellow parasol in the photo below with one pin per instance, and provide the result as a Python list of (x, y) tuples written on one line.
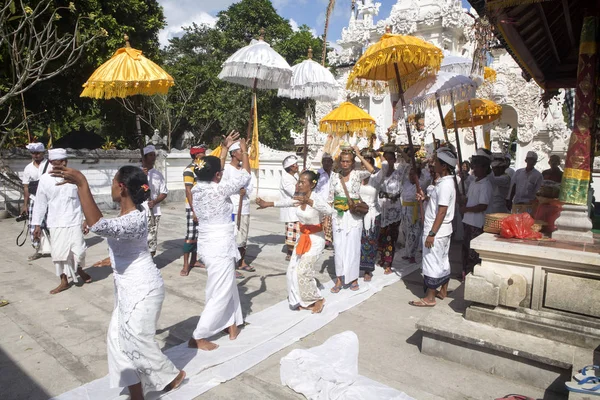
[(489, 74), (127, 73), (472, 113), (348, 119)]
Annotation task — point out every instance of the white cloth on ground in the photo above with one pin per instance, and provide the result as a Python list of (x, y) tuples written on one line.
[(60, 202), (330, 372), (526, 185), (158, 186), (232, 172), (436, 263), (442, 194), (480, 192), (287, 188), (139, 359)]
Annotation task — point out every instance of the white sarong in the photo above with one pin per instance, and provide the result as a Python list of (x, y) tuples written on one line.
[(436, 263), (218, 250), (68, 250), (133, 354), (346, 241), (301, 282)]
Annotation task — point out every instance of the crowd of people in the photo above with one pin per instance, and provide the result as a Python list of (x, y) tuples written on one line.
[(361, 211)]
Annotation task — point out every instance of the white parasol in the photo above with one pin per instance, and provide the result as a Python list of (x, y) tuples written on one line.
[(456, 65), (310, 80)]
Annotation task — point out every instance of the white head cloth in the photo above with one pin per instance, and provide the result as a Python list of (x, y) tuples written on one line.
[(35, 147), (57, 154), (289, 161), (149, 149), (532, 154), (447, 156), (235, 146)]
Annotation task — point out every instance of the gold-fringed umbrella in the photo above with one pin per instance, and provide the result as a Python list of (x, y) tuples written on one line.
[(472, 113), (348, 119), (128, 73)]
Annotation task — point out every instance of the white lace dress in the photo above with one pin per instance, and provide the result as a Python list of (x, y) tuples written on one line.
[(133, 353), (390, 192), (411, 222), (301, 282), (218, 249)]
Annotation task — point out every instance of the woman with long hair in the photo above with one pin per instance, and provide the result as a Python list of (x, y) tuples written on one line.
[(311, 209), (347, 226), (369, 244), (217, 246), (134, 356)]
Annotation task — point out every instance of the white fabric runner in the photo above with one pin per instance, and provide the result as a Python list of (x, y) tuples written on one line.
[(330, 372), (266, 333)]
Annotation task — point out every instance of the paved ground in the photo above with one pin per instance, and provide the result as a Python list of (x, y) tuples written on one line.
[(51, 344)]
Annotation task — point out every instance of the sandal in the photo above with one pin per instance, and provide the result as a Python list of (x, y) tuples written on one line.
[(354, 287), (586, 372), (421, 303), (34, 256), (239, 275), (367, 277), (336, 289), (4, 303), (589, 385), (247, 268)]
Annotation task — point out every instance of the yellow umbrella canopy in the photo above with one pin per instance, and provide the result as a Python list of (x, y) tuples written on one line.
[(483, 112), (127, 73), (489, 74), (347, 119), (414, 57)]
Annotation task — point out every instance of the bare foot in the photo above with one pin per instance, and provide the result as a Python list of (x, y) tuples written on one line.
[(202, 344), (102, 263), (234, 331), (64, 285), (198, 264), (176, 382), (368, 277), (318, 306), (387, 270), (184, 271), (84, 275)]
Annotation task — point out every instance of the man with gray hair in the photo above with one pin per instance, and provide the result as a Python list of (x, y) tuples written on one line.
[(525, 184), (31, 176), (60, 201)]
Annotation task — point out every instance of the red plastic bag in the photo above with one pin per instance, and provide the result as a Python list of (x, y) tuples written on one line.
[(519, 226)]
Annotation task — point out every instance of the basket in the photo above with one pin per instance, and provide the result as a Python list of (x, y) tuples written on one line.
[(493, 222)]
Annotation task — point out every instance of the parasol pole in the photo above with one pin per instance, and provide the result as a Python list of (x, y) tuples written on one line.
[(138, 125), (473, 125), (252, 105), (458, 150), (305, 149), (439, 106), (409, 134)]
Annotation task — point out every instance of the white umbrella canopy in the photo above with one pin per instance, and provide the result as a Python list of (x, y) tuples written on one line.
[(456, 65), (310, 80), (257, 66), (424, 94)]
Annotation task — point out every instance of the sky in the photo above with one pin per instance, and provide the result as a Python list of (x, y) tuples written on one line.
[(180, 13)]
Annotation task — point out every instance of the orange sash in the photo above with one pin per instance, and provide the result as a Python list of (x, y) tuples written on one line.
[(304, 243)]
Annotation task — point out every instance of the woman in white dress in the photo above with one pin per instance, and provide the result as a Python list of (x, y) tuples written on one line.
[(216, 244), (369, 241), (347, 227), (134, 356), (311, 209), (391, 204)]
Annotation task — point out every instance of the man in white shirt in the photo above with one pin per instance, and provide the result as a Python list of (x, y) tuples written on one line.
[(322, 189), (437, 228), (242, 217), (61, 202), (525, 183), (158, 193), (479, 196), (31, 176), (287, 215)]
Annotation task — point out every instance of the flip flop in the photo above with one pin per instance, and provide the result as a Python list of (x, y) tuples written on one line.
[(586, 372), (421, 303), (34, 256), (368, 277), (354, 287), (198, 264), (239, 275), (247, 268), (589, 385), (336, 289), (4, 303)]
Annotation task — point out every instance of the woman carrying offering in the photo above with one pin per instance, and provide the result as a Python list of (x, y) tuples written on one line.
[(347, 226), (134, 357), (303, 292), (216, 244), (439, 213), (369, 241)]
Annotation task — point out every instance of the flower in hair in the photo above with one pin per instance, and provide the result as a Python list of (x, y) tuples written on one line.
[(200, 164), (145, 187)]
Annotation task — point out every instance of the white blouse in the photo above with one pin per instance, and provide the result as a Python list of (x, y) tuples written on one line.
[(135, 273), (310, 215), (212, 201), (369, 193), (391, 211), (353, 185)]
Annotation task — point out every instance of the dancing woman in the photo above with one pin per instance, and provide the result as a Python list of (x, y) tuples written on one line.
[(311, 209), (216, 244), (369, 193), (347, 227), (134, 356)]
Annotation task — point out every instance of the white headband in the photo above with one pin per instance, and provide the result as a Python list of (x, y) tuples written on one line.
[(446, 155), (35, 147), (235, 146), (289, 161), (57, 154), (149, 149)]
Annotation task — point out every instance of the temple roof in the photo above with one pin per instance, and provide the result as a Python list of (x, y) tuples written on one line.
[(542, 37)]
